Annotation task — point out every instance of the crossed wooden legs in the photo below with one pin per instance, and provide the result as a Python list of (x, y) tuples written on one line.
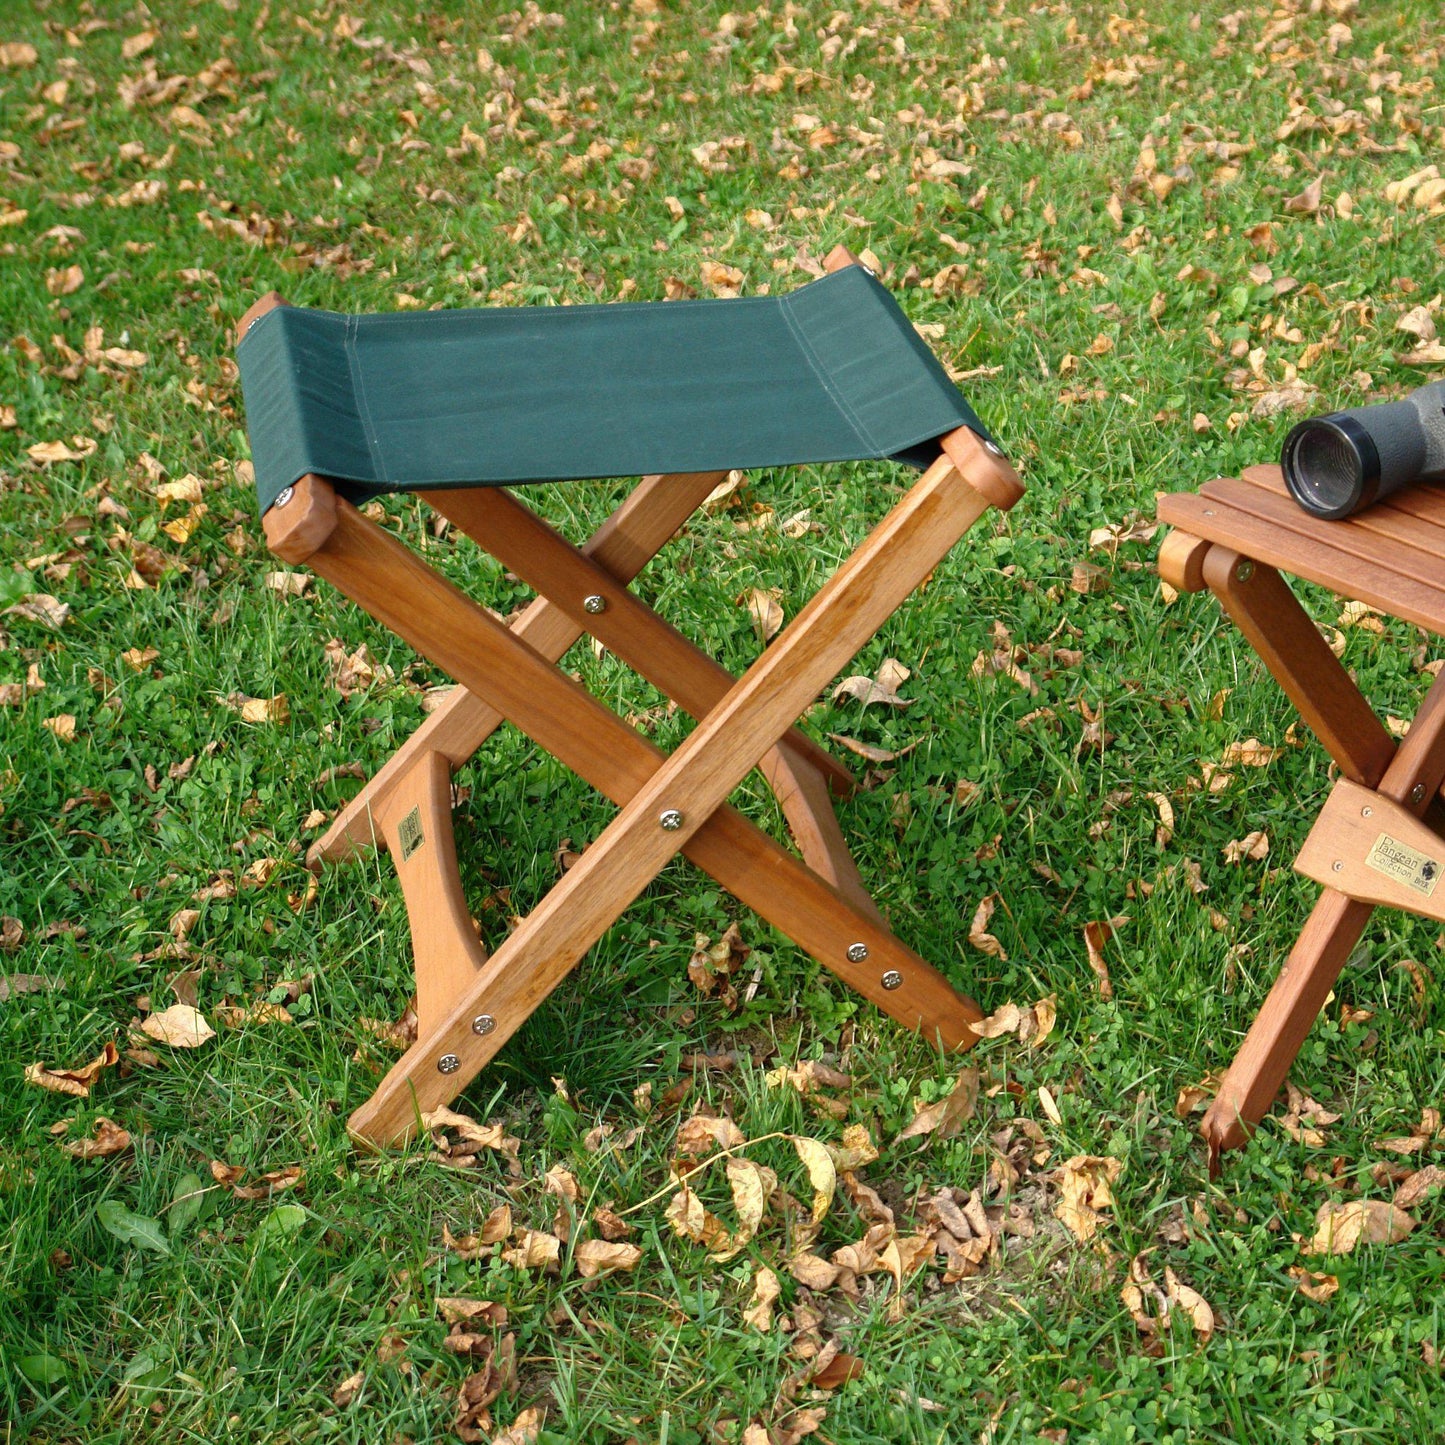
[(1369, 845), (470, 1005)]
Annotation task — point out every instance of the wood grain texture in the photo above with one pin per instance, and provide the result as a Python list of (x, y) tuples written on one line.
[(435, 618), (1337, 921), (1388, 557), (624, 544), (1181, 561), (1289, 644), (416, 820), (652, 647)]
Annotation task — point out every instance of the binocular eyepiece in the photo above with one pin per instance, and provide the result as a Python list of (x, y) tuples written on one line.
[(1336, 465)]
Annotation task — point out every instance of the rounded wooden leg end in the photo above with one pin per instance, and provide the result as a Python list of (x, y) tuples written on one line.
[(1223, 1129)]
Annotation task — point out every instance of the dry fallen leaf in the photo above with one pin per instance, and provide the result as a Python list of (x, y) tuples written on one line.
[(107, 1138), (766, 1289), (978, 934), (180, 1026), (882, 687), (947, 1115), (75, 1082), (1084, 1184), (1096, 935), (765, 606), (1318, 1287), (1340, 1227), (596, 1257)]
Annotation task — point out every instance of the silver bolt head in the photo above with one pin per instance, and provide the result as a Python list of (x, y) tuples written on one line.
[(483, 1024), (284, 496), (857, 952), (1417, 793), (1367, 812), (1244, 571), (892, 979), (1337, 866), (594, 603), (670, 820), (448, 1064)]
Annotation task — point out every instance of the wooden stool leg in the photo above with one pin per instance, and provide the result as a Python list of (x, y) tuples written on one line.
[(624, 544), (416, 822), (402, 592), (1280, 1027)]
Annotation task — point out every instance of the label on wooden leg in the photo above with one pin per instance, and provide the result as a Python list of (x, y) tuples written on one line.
[(1406, 865), (409, 833)]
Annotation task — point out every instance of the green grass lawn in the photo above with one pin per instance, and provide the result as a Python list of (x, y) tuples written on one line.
[(1145, 237)]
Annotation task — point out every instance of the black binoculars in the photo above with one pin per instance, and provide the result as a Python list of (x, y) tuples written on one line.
[(1337, 464)]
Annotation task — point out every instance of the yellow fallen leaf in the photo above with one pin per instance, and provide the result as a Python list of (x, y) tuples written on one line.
[(1340, 1227), (75, 1082), (180, 1027), (766, 1289), (596, 1257), (979, 936)]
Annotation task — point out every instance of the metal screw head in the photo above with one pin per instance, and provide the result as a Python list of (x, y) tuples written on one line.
[(448, 1064), (857, 952), (992, 448), (1244, 571), (1417, 793), (594, 604), (1337, 866), (284, 496), (670, 820), (1367, 812), (483, 1024), (892, 979)]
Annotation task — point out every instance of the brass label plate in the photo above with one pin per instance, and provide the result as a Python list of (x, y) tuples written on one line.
[(410, 834), (1406, 865)]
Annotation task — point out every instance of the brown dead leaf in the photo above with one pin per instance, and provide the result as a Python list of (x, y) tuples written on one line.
[(1084, 1183), (1253, 846), (107, 1138), (1318, 1287), (765, 607), (766, 1289), (1417, 1185), (524, 1429), (978, 934), (534, 1249), (1251, 753), (179, 1027), (699, 1135), (1096, 935), (75, 1082), (595, 1257), (882, 687), (946, 1116), (1340, 1227), (1307, 202)]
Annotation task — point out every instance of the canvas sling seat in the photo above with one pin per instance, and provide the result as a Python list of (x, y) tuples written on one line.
[(1379, 837), (454, 405)]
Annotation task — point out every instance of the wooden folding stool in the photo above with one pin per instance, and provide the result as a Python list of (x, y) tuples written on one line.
[(836, 361), (1379, 839)]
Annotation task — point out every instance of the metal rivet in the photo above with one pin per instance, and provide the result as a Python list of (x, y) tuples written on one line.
[(857, 952), (1367, 812), (892, 979), (483, 1024), (1417, 793), (448, 1064), (1209, 511), (993, 448), (284, 496), (1338, 866), (594, 604), (1244, 571), (671, 820)]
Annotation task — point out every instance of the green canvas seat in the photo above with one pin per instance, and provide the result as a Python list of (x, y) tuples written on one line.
[(832, 372), (454, 405)]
